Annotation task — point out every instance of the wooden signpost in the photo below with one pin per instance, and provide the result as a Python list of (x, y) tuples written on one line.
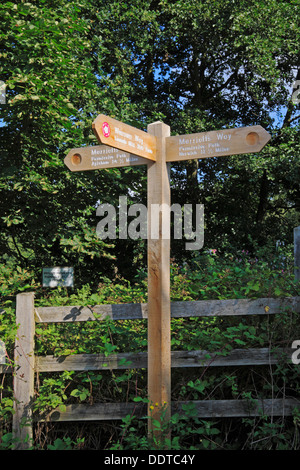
[(123, 146)]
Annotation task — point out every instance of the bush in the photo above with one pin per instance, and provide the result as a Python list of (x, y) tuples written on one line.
[(207, 276)]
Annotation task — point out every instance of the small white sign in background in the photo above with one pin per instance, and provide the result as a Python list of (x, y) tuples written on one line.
[(58, 276), (2, 352)]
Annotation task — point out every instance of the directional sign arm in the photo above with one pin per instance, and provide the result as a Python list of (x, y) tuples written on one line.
[(217, 143), (100, 156), (116, 134)]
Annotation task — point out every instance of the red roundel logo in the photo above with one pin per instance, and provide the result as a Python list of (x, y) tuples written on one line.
[(106, 129)]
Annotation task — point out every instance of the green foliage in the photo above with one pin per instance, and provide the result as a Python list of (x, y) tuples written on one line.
[(196, 66), (47, 217), (187, 432), (52, 393), (209, 275), (65, 444)]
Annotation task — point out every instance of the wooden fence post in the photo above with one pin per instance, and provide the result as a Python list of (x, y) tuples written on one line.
[(297, 252), (24, 370)]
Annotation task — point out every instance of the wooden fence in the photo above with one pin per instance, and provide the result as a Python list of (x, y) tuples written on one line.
[(27, 363)]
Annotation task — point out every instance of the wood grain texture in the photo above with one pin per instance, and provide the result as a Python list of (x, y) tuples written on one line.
[(159, 310), (204, 409), (216, 143), (117, 134), (195, 308), (180, 359), (24, 370), (99, 157)]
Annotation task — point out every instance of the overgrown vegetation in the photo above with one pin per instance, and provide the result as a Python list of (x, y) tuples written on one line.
[(208, 276)]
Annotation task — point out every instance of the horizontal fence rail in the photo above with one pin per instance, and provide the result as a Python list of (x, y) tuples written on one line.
[(200, 308), (236, 357), (204, 408), (195, 358)]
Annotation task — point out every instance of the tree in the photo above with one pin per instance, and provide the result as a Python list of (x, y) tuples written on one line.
[(197, 66), (206, 65), (47, 215)]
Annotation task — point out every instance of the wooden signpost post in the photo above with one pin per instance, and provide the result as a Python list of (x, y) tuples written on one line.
[(124, 145)]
